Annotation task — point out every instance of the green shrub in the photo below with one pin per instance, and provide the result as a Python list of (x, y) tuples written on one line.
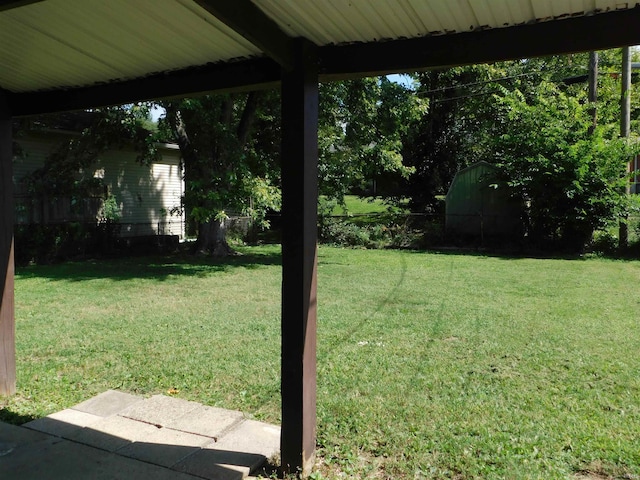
[(386, 233), (345, 233), (432, 234), (603, 242), (48, 243)]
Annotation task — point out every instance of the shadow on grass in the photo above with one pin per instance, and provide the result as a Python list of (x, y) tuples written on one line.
[(628, 255), (148, 267), (502, 254), (8, 416)]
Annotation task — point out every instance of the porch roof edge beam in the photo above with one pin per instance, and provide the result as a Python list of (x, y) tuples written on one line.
[(236, 76), (578, 34)]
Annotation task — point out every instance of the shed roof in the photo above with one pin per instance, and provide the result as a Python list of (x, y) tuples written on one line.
[(92, 52)]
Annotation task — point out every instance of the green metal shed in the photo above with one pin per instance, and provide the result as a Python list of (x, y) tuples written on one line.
[(476, 207)]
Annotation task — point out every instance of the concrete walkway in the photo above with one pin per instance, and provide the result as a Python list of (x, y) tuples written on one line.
[(116, 435)]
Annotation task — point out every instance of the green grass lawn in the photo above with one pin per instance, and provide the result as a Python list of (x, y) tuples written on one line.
[(356, 205), (362, 206), (430, 365)]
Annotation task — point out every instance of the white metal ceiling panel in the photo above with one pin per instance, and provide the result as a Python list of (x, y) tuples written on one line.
[(65, 43), (69, 43), (344, 21), (518, 11)]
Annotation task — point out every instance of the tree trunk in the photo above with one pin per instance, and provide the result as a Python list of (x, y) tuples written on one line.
[(212, 239)]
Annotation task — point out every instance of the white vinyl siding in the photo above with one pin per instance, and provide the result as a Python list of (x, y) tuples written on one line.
[(149, 197), (34, 153), (146, 195)]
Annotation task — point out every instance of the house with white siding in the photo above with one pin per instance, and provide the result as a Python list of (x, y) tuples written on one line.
[(148, 196)]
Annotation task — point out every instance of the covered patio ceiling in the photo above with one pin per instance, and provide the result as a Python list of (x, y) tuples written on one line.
[(58, 55), (72, 54)]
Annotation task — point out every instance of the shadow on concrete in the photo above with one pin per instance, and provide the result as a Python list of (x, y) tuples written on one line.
[(121, 439), (30, 455), (27, 454)]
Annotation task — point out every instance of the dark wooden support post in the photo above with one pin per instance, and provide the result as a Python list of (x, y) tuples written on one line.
[(7, 319), (299, 258)]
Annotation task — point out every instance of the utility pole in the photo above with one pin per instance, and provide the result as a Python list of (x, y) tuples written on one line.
[(625, 121)]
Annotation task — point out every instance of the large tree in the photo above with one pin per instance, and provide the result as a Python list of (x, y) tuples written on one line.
[(560, 152), (463, 115), (446, 137), (531, 117), (570, 175), (229, 146), (362, 126)]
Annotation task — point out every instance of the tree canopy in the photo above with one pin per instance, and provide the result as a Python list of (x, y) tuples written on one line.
[(230, 146), (532, 118)]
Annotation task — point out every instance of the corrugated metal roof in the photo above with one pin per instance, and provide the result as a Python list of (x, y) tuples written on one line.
[(69, 43)]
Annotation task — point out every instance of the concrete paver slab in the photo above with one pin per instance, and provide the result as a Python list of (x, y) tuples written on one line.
[(214, 464), (165, 447), (115, 432), (217, 472), (159, 409), (251, 436), (208, 421), (108, 403), (66, 423)]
